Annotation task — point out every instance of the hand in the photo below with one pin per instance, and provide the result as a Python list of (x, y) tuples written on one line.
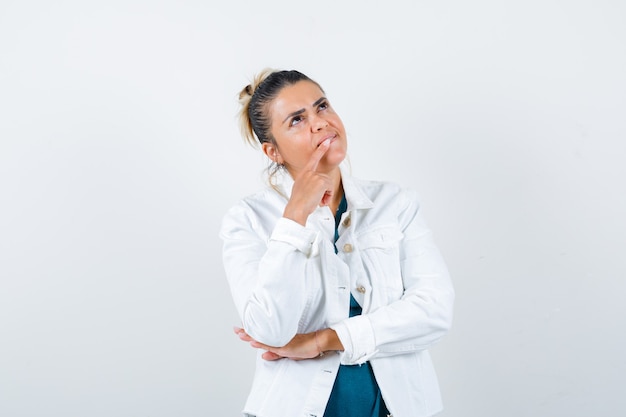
[(302, 346), (310, 188)]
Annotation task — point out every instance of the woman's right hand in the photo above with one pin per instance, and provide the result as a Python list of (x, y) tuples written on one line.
[(310, 189)]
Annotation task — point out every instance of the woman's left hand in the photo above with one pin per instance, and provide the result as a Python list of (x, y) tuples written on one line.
[(302, 346)]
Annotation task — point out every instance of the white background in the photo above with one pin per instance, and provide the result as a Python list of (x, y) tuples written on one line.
[(120, 152)]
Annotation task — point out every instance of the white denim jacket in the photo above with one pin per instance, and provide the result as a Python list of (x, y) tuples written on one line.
[(286, 279)]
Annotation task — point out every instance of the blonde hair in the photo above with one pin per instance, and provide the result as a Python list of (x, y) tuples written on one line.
[(245, 97)]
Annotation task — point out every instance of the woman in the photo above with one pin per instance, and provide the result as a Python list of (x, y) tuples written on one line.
[(337, 280)]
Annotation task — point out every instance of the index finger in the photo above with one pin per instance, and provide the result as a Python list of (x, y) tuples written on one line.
[(317, 155)]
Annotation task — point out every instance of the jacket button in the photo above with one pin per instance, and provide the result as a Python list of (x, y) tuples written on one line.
[(347, 248), (361, 289), (346, 222)]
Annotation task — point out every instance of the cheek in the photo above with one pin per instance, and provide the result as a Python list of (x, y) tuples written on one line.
[(296, 155), (340, 127)]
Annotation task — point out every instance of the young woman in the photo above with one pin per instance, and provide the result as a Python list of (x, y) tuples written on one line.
[(337, 280)]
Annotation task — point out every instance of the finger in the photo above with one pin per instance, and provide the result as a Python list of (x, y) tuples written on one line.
[(317, 155), (245, 337), (258, 345), (241, 333), (326, 198), (271, 356)]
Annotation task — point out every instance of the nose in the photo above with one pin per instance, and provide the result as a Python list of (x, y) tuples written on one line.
[(318, 123)]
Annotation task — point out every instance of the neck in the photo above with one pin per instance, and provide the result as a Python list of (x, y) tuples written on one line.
[(337, 191)]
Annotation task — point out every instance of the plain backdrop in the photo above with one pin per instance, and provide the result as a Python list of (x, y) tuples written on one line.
[(120, 152)]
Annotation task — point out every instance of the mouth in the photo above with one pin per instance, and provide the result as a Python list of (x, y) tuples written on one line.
[(332, 138)]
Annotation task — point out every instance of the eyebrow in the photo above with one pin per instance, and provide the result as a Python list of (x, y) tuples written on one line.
[(297, 112)]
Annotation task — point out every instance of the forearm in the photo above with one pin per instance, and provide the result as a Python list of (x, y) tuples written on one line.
[(266, 275), (271, 307), (414, 322)]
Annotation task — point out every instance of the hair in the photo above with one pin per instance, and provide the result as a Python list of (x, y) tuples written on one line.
[(255, 100)]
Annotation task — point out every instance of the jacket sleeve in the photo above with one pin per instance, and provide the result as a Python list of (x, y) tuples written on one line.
[(422, 315), (266, 276)]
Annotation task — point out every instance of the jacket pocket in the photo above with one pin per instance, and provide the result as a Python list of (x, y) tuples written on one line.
[(380, 252)]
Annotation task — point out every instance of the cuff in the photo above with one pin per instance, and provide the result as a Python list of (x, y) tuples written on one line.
[(295, 234), (357, 337)]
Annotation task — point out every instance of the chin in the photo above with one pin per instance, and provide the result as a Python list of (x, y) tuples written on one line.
[(336, 158)]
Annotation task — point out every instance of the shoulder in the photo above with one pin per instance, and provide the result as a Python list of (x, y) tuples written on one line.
[(387, 192), (257, 211)]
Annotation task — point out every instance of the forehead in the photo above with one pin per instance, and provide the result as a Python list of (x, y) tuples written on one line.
[(300, 95)]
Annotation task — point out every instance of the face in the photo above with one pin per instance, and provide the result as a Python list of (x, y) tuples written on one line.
[(302, 118)]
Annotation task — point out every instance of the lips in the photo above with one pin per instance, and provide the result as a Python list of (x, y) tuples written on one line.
[(332, 138)]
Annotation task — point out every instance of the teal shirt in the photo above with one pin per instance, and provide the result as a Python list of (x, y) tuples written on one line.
[(355, 392)]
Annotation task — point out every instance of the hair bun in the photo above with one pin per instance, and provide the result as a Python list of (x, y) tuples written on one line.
[(246, 93)]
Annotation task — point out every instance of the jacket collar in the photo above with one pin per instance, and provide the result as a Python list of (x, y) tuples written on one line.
[(355, 195)]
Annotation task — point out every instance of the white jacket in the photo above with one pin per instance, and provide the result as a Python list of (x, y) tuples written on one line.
[(286, 279)]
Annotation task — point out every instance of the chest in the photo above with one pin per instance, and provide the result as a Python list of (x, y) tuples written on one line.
[(367, 262)]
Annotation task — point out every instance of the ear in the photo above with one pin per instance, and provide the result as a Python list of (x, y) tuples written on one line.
[(272, 153)]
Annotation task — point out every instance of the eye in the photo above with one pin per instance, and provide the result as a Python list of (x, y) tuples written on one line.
[(323, 105), (295, 120)]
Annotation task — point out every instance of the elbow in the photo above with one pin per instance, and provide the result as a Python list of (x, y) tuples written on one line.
[(437, 329), (268, 335), (269, 329), (446, 314), (440, 318)]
